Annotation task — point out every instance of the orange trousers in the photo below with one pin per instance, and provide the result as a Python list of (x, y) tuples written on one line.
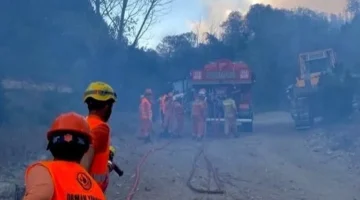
[(198, 124), (145, 127)]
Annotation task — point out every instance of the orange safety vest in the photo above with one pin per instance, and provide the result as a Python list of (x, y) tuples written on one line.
[(99, 166), (145, 109), (71, 181)]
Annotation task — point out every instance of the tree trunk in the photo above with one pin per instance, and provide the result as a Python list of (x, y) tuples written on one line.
[(97, 7), (122, 20), (136, 40)]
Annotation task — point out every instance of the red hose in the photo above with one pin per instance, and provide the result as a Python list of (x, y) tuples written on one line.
[(137, 172)]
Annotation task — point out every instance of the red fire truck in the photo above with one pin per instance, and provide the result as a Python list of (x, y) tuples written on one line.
[(223, 76)]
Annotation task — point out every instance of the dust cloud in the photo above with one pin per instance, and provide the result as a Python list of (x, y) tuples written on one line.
[(216, 11)]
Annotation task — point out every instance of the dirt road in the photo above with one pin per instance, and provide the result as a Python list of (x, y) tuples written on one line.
[(273, 163)]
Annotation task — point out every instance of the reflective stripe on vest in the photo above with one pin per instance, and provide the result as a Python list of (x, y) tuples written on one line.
[(71, 181)]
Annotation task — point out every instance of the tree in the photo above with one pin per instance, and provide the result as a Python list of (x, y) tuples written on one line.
[(235, 34), (176, 44), (353, 7), (131, 18), (75, 43)]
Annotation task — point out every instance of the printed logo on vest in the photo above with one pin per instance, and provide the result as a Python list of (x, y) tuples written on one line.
[(84, 180)]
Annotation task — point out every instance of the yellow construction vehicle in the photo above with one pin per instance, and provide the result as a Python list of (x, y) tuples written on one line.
[(322, 89)]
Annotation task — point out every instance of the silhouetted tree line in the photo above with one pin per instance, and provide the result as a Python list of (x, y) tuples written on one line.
[(68, 42)]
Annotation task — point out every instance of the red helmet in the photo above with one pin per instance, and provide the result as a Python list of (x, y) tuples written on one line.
[(70, 122)]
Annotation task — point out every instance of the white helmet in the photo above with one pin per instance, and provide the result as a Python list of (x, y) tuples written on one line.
[(178, 96), (202, 92)]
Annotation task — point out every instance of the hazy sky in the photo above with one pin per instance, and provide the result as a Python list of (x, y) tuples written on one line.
[(205, 15)]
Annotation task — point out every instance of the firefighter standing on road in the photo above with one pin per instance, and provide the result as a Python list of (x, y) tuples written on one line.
[(198, 115), (178, 124), (168, 114), (145, 112), (99, 98), (229, 114), (63, 178), (162, 107)]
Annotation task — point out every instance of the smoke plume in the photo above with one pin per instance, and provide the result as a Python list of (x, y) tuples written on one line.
[(216, 11)]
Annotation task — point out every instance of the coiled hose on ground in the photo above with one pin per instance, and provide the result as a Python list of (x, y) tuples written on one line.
[(210, 169)]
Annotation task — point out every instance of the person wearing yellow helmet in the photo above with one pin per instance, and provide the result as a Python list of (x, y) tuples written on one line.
[(99, 97)]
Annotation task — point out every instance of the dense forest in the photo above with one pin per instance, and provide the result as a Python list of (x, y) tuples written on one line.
[(74, 42)]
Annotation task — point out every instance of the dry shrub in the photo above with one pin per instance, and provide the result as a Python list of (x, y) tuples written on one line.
[(22, 143), (23, 133), (20, 146)]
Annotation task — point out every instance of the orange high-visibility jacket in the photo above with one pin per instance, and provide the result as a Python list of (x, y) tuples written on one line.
[(145, 109), (71, 181), (198, 108), (100, 131)]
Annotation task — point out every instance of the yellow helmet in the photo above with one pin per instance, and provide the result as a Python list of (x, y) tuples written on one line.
[(100, 91), (112, 149)]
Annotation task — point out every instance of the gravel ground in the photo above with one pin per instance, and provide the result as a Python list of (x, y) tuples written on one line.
[(273, 163)]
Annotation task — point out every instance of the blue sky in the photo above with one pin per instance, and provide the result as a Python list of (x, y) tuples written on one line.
[(176, 21)]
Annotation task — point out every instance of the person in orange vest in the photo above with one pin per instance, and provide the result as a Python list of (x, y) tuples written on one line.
[(198, 115), (99, 98), (145, 112), (178, 116), (63, 177)]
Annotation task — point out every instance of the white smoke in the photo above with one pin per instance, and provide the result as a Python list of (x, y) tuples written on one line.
[(216, 11)]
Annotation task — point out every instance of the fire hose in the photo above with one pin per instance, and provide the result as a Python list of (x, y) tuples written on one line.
[(209, 165), (137, 171), (211, 170)]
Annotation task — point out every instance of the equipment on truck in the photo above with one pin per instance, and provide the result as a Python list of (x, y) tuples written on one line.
[(323, 89), (221, 77)]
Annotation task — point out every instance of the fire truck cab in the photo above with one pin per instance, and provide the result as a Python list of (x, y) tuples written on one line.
[(221, 77)]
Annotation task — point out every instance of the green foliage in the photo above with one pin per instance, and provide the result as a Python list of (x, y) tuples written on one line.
[(66, 42)]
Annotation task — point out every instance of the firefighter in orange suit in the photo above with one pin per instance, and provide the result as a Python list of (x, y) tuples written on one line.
[(162, 107), (145, 112), (168, 115), (230, 112), (198, 115), (178, 117)]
